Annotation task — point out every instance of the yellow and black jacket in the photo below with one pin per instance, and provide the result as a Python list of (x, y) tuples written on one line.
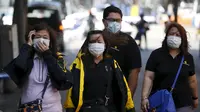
[(74, 99)]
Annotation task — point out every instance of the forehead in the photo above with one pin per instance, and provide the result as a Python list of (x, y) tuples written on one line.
[(42, 32), (173, 29), (96, 37), (114, 15)]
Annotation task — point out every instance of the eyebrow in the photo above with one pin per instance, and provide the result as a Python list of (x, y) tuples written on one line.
[(95, 39)]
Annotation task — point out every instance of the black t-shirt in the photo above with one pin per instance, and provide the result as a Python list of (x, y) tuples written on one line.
[(165, 68), (127, 55), (96, 78)]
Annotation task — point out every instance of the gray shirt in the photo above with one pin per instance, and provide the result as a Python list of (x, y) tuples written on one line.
[(35, 84)]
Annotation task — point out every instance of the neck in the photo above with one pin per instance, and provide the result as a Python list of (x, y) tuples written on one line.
[(98, 59), (174, 52)]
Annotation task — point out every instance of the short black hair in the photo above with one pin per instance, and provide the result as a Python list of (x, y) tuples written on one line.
[(111, 9)]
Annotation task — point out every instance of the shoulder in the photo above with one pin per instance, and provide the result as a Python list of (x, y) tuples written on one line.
[(158, 51), (189, 57), (126, 35), (128, 38)]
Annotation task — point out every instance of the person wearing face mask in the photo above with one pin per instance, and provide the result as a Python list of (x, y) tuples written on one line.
[(162, 67), (40, 72), (123, 47), (99, 84)]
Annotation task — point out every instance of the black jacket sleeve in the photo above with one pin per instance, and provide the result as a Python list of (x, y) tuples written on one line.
[(61, 77), (17, 69), (21, 61)]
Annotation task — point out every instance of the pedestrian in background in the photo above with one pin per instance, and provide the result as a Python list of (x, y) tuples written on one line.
[(99, 84), (40, 72), (161, 69), (142, 27), (167, 23)]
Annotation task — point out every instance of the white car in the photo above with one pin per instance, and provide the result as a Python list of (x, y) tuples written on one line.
[(75, 26)]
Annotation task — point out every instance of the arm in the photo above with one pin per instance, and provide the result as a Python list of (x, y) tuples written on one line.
[(149, 76), (71, 94), (147, 84), (193, 86), (133, 79), (133, 63), (57, 70), (129, 102), (192, 80), (25, 53), (17, 69)]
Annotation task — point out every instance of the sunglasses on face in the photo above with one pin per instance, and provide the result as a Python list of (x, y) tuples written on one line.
[(113, 20)]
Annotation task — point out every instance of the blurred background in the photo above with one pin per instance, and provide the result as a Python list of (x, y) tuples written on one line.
[(72, 19)]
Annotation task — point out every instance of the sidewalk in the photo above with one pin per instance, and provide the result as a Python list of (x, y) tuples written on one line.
[(8, 102)]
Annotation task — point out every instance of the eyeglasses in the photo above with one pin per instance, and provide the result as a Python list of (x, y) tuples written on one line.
[(112, 19)]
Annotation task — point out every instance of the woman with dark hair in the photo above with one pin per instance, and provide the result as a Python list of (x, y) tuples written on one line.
[(162, 67), (40, 72), (99, 84)]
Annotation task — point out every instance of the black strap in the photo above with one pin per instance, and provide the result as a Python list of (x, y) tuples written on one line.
[(44, 89), (108, 89), (45, 85)]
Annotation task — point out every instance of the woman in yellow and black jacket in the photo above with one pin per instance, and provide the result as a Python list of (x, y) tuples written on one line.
[(99, 84)]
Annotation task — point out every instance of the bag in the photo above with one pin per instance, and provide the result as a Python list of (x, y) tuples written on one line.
[(162, 100), (36, 105)]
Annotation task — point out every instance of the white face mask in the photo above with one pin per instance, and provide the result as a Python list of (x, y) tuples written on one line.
[(96, 49), (114, 27), (35, 42), (174, 41)]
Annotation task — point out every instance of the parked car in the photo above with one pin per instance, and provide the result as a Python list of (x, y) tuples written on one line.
[(49, 13)]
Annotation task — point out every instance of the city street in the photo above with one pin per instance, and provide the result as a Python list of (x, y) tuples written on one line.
[(8, 102)]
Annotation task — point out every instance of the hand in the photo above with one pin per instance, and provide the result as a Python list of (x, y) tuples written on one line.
[(42, 47), (145, 105), (30, 35), (195, 103)]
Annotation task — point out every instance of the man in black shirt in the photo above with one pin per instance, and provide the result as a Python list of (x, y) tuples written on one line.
[(123, 47)]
